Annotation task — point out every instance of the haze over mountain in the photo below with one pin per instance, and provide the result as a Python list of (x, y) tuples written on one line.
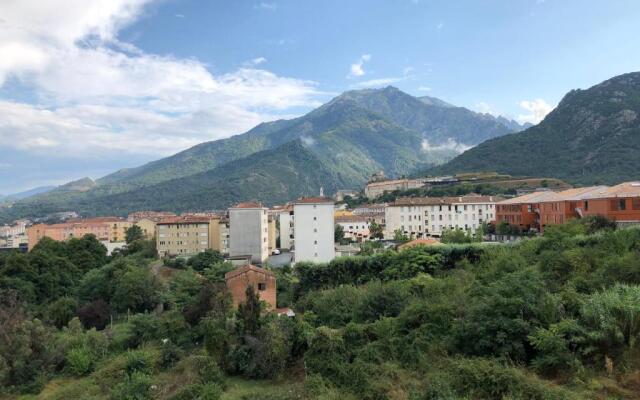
[(345, 141), (593, 136)]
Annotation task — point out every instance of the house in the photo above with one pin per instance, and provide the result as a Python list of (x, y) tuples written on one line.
[(355, 227), (263, 282), (183, 235), (314, 229), (419, 217), (378, 188), (341, 194), (620, 203), (249, 231)]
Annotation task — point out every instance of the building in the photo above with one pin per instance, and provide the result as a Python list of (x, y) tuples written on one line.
[(148, 227), (620, 203), (286, 231), (67, 230), (183, 235), (341, 194), (152, 215), (419, 217), (263, 282), (117, 226), (378, 188), (355, 227), (273, 232), (249, 231), (313, 229), (220, 234)]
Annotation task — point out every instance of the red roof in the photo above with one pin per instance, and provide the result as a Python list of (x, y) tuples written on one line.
[(246, 268), (184, 220), (313, 200)]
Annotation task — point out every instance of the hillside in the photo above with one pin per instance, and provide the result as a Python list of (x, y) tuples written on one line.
[(351, 137), (592, 137)]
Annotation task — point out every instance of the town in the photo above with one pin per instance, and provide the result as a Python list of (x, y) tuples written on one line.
[(318, 229)]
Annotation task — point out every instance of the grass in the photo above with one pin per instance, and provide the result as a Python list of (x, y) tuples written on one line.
[(243, 389)]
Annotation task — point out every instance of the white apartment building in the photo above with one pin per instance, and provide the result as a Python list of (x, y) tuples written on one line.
[(419, 217), (249, 231), (355, 227), (313, 229)]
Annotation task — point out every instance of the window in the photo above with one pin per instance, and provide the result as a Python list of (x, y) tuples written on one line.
[(618, 205), (262, 286), (635, 203), (315, 242), (586, 205), (622, 204)]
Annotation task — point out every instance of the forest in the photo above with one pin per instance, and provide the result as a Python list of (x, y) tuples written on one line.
[(553, 317)]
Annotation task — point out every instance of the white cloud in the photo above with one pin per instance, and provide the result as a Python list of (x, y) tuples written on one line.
[(179, 15), (376, 82), (440, 26), (357, 67), (485, 108), (424, 88), (538, 109), (266, 6), (450, 145), (97, 94), (255, 61)]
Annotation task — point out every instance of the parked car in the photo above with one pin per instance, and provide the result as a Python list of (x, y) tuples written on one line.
[(275, 252)]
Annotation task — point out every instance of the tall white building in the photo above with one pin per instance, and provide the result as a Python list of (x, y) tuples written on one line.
[(313, 229), (249, 231), (429, 216), (285, 222)]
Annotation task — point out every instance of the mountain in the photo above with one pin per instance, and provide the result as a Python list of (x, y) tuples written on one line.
[(349, 138), (26, 193), (593, 136)]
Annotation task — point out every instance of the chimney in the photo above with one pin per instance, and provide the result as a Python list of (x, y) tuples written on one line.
[(321, 191)]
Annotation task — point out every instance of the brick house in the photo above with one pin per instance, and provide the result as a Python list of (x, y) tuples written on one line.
[(262, 280)]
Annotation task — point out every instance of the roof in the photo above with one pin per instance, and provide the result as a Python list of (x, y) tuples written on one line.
[(246, 268), (350, 218), (248, 204), (313, 200), (418, 242), (426, 201), (395, 182), (188, 219), (535, 197), (96, 220), (626, 189)]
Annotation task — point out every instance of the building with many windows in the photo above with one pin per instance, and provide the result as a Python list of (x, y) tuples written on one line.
[(184, 235), (419, 217), (249, 231), (314, 229), (355, 227)]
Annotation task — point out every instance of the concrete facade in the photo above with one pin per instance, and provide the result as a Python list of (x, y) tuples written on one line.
[(419, 217), (249, 231), (183, 236), (286, 228), (314, 230)]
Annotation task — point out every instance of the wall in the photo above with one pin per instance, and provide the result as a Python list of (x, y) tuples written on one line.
[(314, 232), (238, 284), (248, 233)]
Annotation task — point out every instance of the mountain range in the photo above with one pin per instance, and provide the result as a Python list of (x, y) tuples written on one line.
[(592, 137), (338, 145)]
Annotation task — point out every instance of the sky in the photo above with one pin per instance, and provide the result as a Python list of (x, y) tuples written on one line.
[(90, 87)]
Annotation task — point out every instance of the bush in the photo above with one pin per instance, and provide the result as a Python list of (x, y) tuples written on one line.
[(80, 361), (136, 386)]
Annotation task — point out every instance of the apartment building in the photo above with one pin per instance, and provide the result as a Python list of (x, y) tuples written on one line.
[(314, 229), (152, 215), (355, 227), (378, 188), (286, 232), (536, 211), (419, 217), (249, 231), (220, 234), (67, 230), (184, 235), (148, 227)]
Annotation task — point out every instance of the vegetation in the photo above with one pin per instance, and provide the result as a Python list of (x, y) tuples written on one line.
[(555, 317), (602, 121)]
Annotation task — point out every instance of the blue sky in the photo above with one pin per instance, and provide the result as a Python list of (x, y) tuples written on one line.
[(87, 88)]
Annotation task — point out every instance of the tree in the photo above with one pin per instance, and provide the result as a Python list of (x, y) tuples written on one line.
[(456, 235), (249, 311), (133, 233), (375, 230), (338, 233), (61, 311), (206, 259), (399, 236), (95, 314), (137, 290)]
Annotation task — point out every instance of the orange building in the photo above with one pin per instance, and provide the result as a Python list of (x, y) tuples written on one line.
[(262, 280), (620, 203), (67, 230)]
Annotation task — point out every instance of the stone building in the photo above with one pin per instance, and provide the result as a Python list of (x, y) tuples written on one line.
[(262, 280)]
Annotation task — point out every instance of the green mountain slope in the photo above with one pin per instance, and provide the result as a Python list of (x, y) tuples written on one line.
[(593, 136), (272, 176)]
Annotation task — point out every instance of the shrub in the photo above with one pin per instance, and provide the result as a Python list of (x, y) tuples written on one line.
[(136, 386), (80, 361)]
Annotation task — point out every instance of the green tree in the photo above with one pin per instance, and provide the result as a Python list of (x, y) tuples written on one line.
[(456, 235), (206, 259), (137, 290), (249, 311), (133, 234), (399, 236), (375, 230), (338, 233)]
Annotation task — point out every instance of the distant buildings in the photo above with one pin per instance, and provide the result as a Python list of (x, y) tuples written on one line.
[(68, 230), (183, 235), (419, 217), (535, 211), (249, 231), (355, 227), (313, 229), (378, 188), (341, 194)]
